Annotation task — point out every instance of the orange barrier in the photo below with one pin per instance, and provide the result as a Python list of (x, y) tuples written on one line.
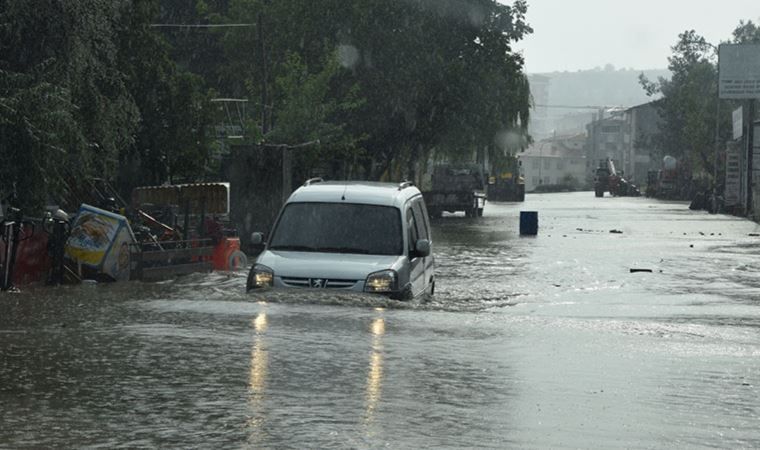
[(227, 255)]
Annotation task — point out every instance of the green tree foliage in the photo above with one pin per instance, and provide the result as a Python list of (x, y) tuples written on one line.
[(87, 89), (305, 112), (171, 142), (64, 108), (688, 101), (436, 75), (431, 74), (90, 88), (747, 33)]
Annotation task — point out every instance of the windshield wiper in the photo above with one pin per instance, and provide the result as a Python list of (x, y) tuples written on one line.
[(358, 251), (294, 248)]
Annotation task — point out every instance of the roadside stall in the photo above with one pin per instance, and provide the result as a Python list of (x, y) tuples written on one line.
[(184, 228)]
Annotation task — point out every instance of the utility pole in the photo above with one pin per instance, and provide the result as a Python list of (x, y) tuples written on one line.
[(264, 75), (287, 154), (714, 200), (750, 157), (287, 161)]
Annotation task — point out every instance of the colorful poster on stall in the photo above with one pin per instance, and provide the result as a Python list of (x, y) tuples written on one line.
[(100, 240), (117, 259)]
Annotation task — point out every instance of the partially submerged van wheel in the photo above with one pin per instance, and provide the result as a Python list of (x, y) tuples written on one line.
[(405, 295)]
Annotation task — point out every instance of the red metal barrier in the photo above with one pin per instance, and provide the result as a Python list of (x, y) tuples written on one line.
[(32, 259)]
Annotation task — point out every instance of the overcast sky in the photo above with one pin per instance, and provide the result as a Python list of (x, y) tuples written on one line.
[(583, 34)]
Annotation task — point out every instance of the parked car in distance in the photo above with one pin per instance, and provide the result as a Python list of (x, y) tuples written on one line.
[(351, 236)]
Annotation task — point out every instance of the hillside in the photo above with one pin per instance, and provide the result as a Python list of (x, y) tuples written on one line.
[(599, 87)]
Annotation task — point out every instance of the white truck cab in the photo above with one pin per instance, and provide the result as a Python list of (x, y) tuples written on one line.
[(354, 236)]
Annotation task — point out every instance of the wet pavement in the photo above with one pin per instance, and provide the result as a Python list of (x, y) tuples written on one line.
[(530, 342)]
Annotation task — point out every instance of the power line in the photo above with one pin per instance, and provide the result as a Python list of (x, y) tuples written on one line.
[(576, 107), (210, 25)]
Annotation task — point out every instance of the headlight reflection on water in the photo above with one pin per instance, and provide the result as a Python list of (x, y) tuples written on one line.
[(260, 323), (259, 372), (375, 373), (257, 378)]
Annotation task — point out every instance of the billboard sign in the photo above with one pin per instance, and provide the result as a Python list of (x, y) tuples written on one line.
[(739, 71)]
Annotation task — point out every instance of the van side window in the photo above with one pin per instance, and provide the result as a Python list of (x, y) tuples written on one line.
[(420, 217), (412, 229)]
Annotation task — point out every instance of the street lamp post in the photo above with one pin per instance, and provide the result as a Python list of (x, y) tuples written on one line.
[(714, 200)]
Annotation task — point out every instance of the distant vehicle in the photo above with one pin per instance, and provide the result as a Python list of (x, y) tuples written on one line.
[(606, 178), (352, 236), (506, 187), (457, 187), (602, 178), (672, 182)]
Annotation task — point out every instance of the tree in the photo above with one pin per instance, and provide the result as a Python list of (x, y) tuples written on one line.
[(746, 33), (436, 75), (64, 108), (430, 74), (305, 111), (687, 102), (171, 142)]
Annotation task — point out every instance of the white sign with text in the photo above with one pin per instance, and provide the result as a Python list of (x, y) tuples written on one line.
[(739, 71)]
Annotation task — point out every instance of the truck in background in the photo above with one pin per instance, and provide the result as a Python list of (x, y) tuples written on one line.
[(508, 184), (456, 187), (607, 178), (673, 181)]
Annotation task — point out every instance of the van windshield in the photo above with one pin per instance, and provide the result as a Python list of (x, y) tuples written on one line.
[(339, 228)]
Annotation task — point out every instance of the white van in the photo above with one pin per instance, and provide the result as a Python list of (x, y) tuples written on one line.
[(354, 236)]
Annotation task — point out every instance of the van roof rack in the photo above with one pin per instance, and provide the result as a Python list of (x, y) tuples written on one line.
[(311, 181), (405, 184)]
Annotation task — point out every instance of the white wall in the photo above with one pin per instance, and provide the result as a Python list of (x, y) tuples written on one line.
[(551, 170)]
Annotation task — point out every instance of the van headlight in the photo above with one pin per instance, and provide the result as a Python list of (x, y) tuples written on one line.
[(260, 277), (384, 281)]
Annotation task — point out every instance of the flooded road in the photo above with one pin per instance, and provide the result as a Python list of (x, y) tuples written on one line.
[(529, 342)]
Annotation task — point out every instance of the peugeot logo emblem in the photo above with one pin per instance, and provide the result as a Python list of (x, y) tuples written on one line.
[(318, 283)]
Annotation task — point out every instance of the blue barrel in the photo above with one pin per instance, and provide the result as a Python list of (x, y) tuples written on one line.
[(529, 223)]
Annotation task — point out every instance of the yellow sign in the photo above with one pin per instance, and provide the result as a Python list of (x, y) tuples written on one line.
[(91, 237), (101, 240)]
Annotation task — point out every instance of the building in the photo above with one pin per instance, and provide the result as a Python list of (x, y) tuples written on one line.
[(554, 161), (607, 138), (539, 116), (627, 137), (644, 123)]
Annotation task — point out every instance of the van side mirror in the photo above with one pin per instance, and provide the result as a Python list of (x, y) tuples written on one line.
[(422, 248), (257, 238)]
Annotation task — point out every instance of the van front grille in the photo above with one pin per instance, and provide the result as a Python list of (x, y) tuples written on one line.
[(318, 283)]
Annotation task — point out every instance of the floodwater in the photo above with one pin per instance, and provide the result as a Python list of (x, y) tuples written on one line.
[(536, 342)]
